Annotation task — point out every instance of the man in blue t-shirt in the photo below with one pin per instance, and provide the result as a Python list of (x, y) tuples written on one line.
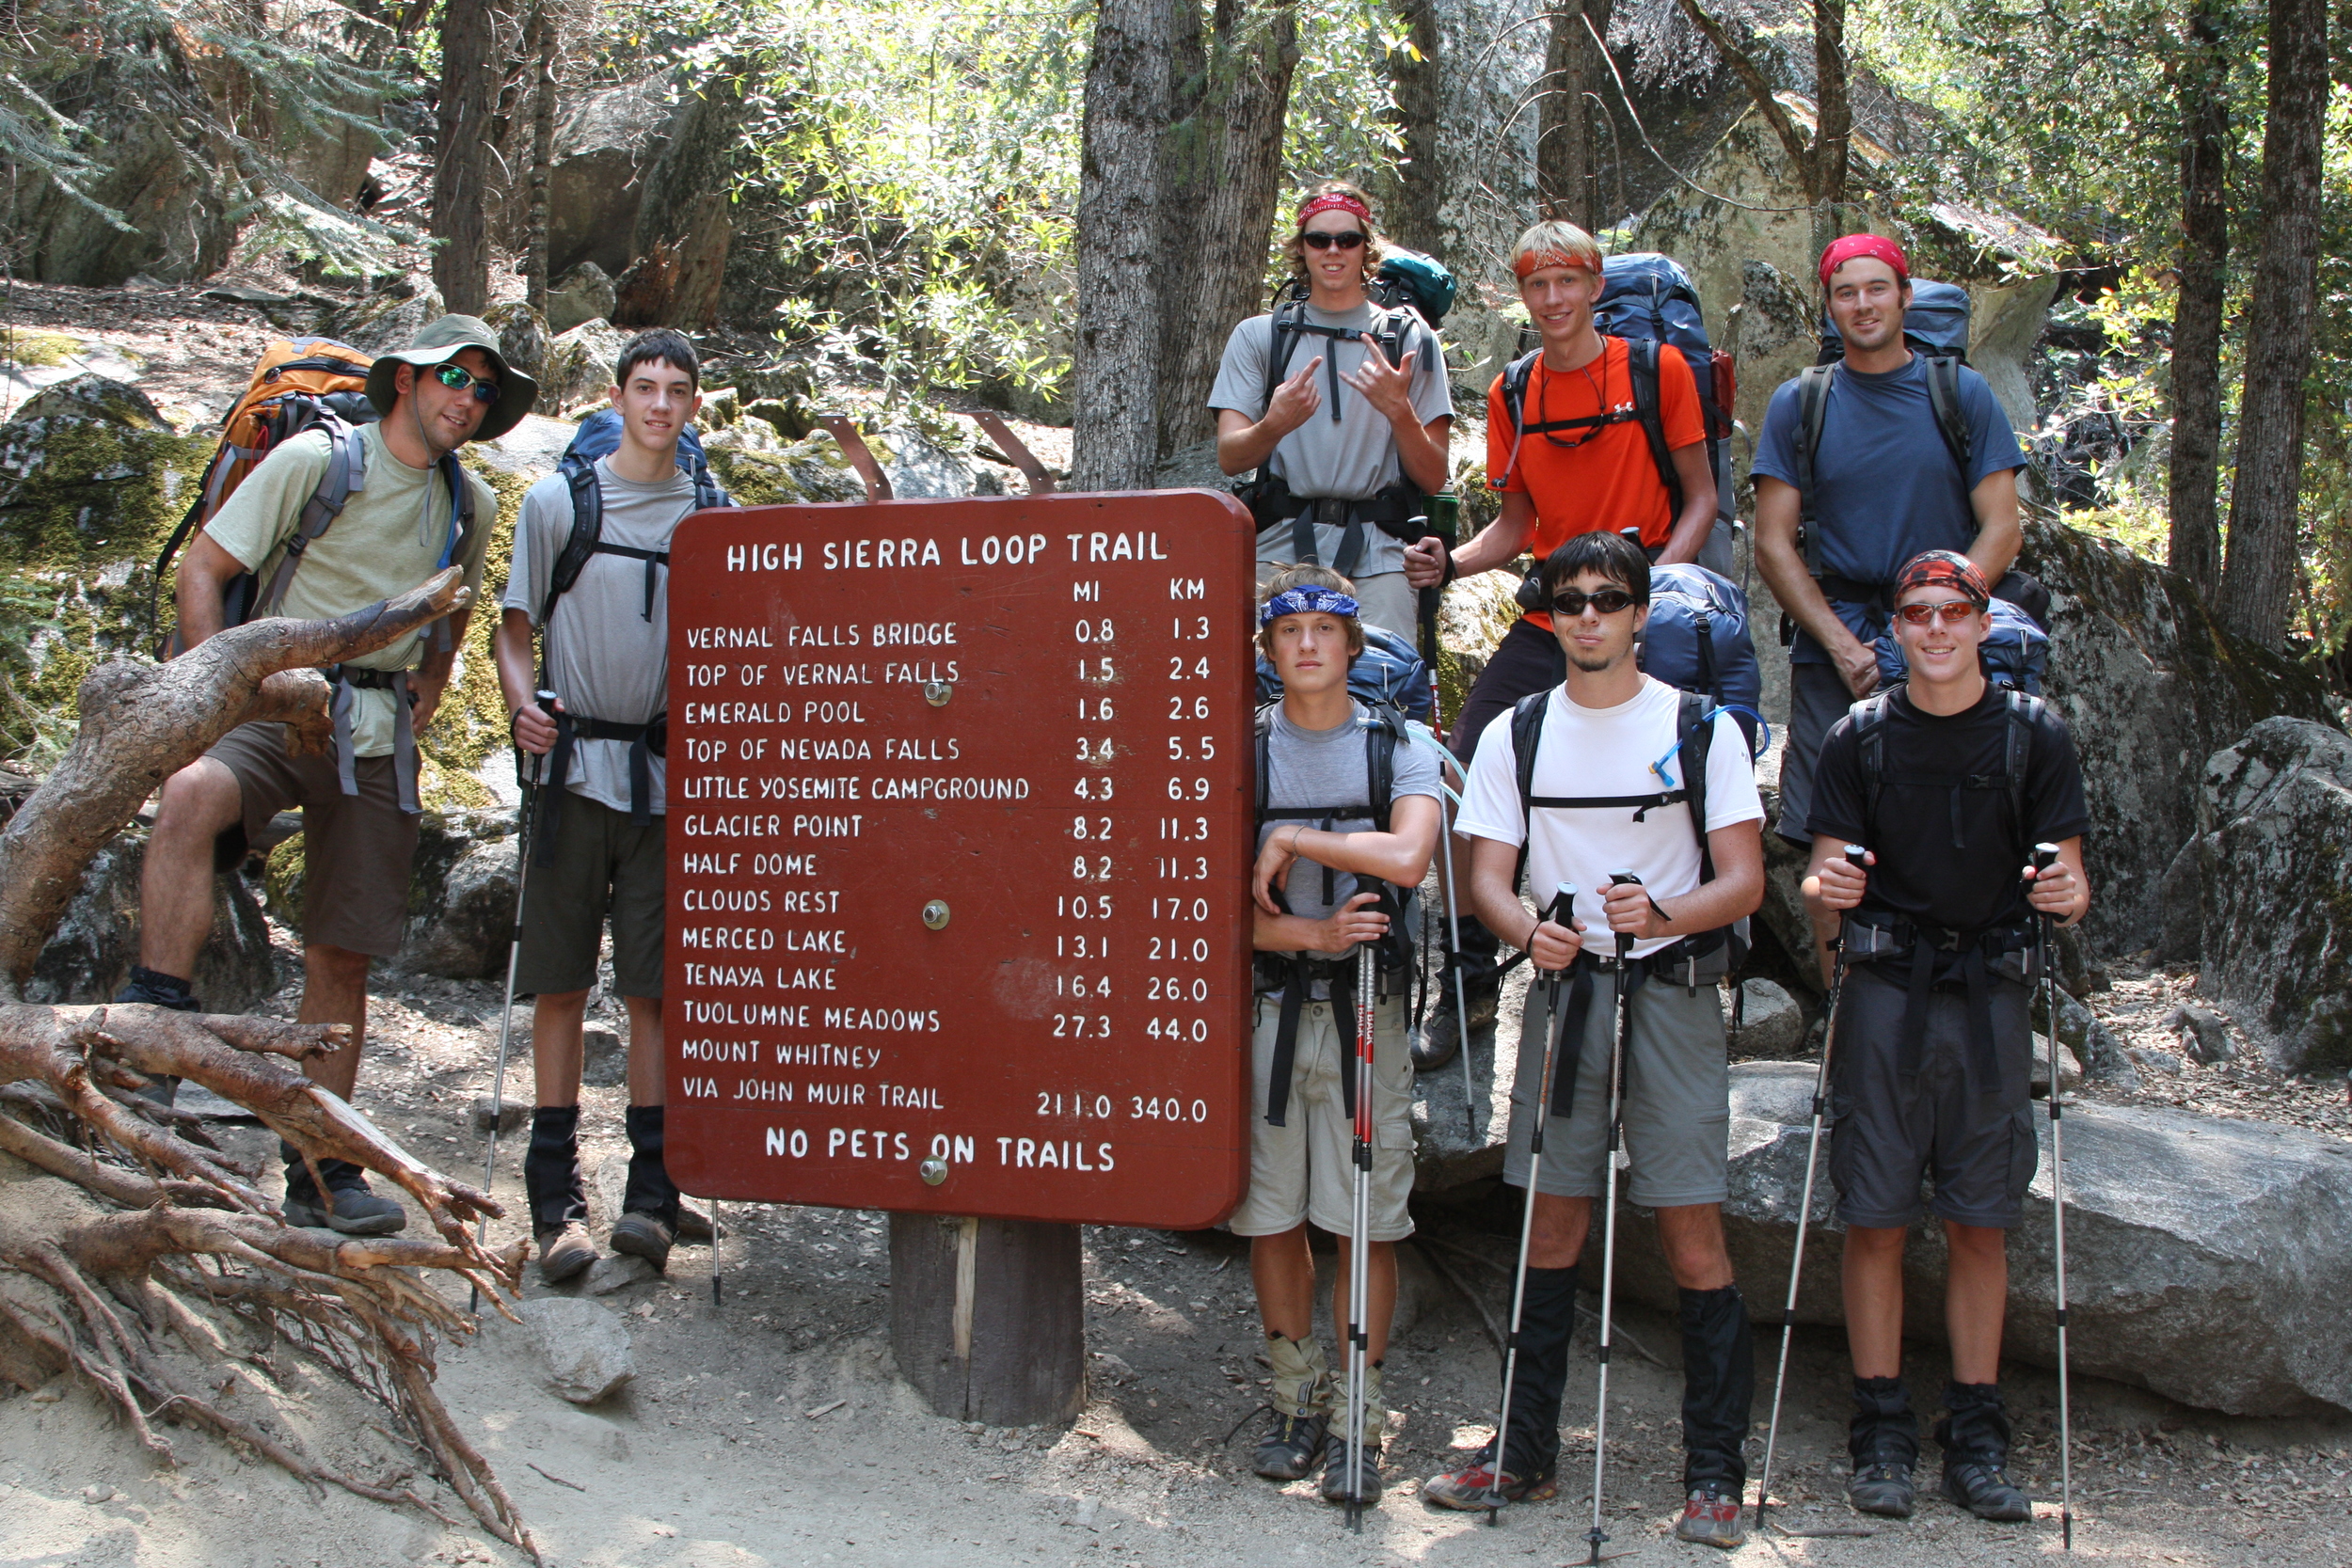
[(1886, 486)]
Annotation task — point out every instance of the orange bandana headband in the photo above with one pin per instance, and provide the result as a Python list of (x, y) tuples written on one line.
[(1527, 262)]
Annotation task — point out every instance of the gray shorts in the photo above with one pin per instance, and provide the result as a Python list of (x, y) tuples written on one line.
[(1303, 1170), (1892, 1131), (1677, 1096), (604, 864), (358, 850), (1818, 698)]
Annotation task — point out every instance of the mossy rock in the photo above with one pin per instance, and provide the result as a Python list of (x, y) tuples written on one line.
[(41, 350), (808, 471)]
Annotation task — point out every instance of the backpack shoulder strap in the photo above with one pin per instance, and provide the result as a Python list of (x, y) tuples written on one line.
[(1951, 420), (1262, 731), (1527, 734), (1380, 740), (587, 527), (2025, 713), (1870, 728), (1282, 339), (1695, 732), (1516, 377), (347, 474), (1813, 384), (1641, 360)]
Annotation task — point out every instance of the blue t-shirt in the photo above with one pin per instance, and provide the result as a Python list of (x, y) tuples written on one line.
[(1885, 486)]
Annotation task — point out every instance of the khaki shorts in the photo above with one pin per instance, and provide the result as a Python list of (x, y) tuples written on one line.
[(604, 864), (357, 849), (1305, 1170), (1676, 1102)]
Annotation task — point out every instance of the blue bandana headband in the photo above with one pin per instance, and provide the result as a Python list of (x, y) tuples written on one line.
[(1308, 601)]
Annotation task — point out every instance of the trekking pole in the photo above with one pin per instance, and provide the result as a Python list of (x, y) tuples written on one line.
[(714, 1252), (1609, 1218), (525, 785), (2045, 856), (1854, 857), (1561, 912), (1360, 1235), (1454, 957)]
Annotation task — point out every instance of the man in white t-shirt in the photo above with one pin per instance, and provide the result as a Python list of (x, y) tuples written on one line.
[(1607, 743)]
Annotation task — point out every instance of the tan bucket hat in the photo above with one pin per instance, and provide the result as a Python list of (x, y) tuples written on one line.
[(439, 341)]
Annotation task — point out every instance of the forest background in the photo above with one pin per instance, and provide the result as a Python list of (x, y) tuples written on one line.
[(1060, 208)]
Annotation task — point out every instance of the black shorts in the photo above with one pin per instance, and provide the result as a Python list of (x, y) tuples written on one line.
[(1892, 1129)]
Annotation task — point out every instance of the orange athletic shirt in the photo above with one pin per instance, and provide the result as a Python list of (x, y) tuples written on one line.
[(1609, 479)]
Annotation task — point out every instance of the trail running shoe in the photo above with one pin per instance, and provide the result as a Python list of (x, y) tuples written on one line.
[(1884, 1489), (1291, 1446), (1335, 1471), (1984, 1491), (1471, 1487), (1710, 1516)]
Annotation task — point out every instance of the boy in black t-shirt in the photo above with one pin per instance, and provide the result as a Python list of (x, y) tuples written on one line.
[(1948, 782)]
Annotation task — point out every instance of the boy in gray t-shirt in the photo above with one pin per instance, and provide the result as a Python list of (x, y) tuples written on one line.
[(1353, 436), (597, 845), (1322, 857)]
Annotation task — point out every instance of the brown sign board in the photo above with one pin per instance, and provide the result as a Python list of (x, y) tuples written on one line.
[(960, 818)]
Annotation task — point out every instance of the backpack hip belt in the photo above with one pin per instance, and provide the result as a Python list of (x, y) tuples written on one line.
[(1392, 511), (1938, 957), (646, 741), (1296, 974), (345, 679)]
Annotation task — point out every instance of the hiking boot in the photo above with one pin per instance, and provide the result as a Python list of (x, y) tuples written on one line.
[(638, 1234), (349, 1208), (1300, 1400), (1985, 1491), (1291, 1446), (1884, 1489), (159, 989), (1473, 1486), (565, 1253), (1710, 1517), (1975, 1435), (1440, 1033), (1335, 1467)]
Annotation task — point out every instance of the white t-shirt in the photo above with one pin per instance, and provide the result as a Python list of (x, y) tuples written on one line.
[(1607, 751)]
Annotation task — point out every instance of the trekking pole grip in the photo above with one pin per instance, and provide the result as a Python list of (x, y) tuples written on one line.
[(1620, 879), (1560, 911)]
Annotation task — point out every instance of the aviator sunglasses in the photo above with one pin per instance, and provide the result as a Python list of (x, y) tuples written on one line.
[(1318, 240), (1951, 611), (457, 378)]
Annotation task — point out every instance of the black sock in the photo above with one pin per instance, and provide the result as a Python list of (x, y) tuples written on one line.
[(1883, 1430), (162, 991), (650, 1191), (1718, 1387), (551, 1168), (1547, 1323)]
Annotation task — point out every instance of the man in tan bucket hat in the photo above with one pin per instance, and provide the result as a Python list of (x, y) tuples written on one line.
[(334, 520)]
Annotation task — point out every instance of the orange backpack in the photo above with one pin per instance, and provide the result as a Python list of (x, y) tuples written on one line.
[(301, 384)]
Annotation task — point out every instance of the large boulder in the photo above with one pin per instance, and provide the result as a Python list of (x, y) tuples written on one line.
[(596, 184), (579, 366), (2204, 1257), (462, 919), (389, 317), (584, 293), (523, 337), (2150, 686), (91, 956), (2275, 921)]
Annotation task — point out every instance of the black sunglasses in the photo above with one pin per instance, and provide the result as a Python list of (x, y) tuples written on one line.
[(1318, 240), (457, 378), (1567, 601)]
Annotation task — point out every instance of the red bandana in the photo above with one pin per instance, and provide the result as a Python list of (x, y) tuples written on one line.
[(1532, 260), (1943, 569), (1333, 201), (1842, 251)]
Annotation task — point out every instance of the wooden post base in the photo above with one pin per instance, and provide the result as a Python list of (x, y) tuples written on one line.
[(988, 1317)]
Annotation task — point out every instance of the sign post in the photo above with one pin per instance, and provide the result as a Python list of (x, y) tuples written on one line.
[(958, 892)]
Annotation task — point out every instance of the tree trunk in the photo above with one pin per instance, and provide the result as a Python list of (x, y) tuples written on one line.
[(1415, 212), (545, 26), (461, 265), (2258, 583), (2195, 382), (1114, 370), (1568, 161), (1833, 130), (1224, 156)]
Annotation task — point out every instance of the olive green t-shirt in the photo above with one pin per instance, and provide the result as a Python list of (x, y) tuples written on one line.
[(392, 535)]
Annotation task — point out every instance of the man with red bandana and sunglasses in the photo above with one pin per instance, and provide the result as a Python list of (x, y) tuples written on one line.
[(1885, 486), (359, 808), (1581, 463), (1930, 1066), (1347, 437)]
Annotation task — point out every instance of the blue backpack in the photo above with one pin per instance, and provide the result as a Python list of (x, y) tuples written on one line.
[(2015, 653), (1387, 674), (1697, 640)]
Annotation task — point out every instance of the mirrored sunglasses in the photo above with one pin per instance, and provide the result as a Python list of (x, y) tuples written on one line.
[(1952, 612), (457, 378)]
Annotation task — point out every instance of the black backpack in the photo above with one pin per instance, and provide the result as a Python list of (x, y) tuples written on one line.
[(1382, 737), (1695, 736), (599, 436), (1869, 726), (1936, 327), (1392, 328)]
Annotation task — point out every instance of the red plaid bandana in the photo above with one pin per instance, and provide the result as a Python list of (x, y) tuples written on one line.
[(1943, 569)]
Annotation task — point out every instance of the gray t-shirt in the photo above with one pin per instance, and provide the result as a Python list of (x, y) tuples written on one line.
[(605, 657), (1332, 768), (1351, 459)]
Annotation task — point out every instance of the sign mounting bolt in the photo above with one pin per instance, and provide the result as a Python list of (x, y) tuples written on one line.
[(934, 1171), (935, 914), (937, 692)]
